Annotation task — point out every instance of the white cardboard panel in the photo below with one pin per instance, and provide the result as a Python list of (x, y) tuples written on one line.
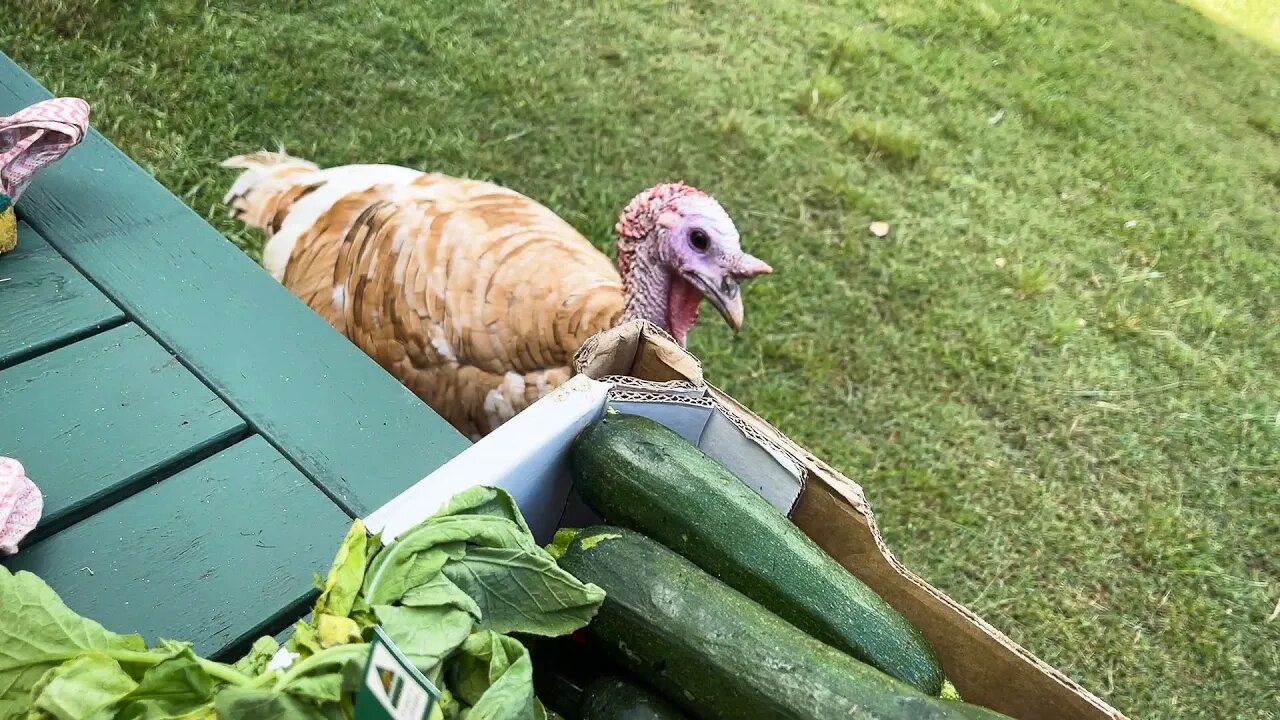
[(753, 463), (527, 456), (688, 421)]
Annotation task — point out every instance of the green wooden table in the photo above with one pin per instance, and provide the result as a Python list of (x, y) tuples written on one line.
[(202, 439)]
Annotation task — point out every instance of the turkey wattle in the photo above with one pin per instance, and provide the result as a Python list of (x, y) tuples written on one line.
[(471, 294)]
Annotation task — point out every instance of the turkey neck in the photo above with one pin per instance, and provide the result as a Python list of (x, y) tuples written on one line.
[(654, 293)]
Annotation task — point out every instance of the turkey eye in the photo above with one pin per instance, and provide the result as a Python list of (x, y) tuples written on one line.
[(700, 240)]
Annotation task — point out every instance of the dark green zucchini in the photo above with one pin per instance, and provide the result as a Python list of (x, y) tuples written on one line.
[(640, 475), (612, 697), (575, 680), (563, 668), (720, 655)]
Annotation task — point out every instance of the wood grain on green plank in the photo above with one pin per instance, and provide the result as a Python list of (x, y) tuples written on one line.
[(221, 552), (44, 301), (345, 422), (92, 420)]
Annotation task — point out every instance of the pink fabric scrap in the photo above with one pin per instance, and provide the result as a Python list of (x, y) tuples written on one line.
[(36, 136), (20, 505)]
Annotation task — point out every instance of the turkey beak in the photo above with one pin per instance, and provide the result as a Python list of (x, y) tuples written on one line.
[(726, 295), (728, 301)]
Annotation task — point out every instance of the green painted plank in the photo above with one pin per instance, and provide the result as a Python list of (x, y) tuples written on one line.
[(44, 302), (346, 423), (213, 555), (92, 420)]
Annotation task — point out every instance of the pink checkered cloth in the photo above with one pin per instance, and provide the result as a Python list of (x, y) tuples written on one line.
[(20, 505), (36, 136)]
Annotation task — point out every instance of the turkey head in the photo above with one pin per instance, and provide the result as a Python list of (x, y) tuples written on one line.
[(676, 246)]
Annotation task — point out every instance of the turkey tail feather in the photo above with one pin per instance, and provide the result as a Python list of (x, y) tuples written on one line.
[(271, 182)]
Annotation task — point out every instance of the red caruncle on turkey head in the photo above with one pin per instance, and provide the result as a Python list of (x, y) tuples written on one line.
[(676, 246)]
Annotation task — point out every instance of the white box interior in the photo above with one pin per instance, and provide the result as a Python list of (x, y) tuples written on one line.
[(528, 455)]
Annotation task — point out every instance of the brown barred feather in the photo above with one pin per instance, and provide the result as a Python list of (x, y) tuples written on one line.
[(472, 295)]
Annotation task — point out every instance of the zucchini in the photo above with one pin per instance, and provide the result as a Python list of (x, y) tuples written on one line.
[(559, 681), (579, 683), (640, 475), (612, 697), (719, 654)]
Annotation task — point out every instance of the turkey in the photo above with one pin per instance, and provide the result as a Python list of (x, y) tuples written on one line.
[(472, 295)]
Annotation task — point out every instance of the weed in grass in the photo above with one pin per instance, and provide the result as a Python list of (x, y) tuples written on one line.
[(884, 138)]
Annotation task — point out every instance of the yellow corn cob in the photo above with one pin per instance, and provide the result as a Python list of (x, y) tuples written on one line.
[(8, 225)]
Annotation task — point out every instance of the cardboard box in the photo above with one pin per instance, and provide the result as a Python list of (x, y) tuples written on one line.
[(639, 369)]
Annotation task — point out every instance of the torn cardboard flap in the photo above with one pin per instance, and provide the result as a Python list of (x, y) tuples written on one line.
[(638, 350), (986, 666)]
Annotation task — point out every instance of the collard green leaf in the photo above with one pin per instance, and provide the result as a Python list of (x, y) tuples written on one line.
[(514, 584), (154, 712), (237, 703), (478, 516), (328, 676), (173, 688), (411, 561), (333, 630), (255, 662), (522, 591), (303, 640), (492, 674), (441, 592), (485, 500), (318, 688), (76, 689), (425, 635), (347, 574), (362, 615), (472, 566), (38, 632)]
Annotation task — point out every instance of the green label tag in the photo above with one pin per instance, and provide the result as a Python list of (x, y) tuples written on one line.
[(393, 689)]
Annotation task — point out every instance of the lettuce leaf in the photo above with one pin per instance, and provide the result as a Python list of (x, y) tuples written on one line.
[(37, 633), (479, 547), (177, 686), (76, 689), (524, 591), (445, 592), (343, 583), (264, 648)]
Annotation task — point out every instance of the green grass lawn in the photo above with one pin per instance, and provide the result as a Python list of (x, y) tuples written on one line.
[(1056, 378)]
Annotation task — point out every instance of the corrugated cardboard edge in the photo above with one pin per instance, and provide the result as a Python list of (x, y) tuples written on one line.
[(682, 392), (986, 666)]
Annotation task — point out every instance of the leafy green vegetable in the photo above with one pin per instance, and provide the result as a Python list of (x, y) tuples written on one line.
[(523, 591), (425, 635), (560, 543), (38, 632), (515, 585), (444, 593), (264, 648), (332, 630), (446, 589), (303, 640), (440, 591), (494, 675), (77, 688), (328, 676), (257, 704), (347, 574), (484, 500), (173, 687)]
